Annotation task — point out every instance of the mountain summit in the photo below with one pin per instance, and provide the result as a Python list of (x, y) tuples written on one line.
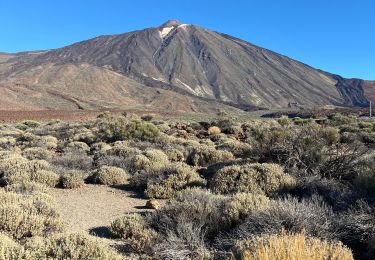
[(171, 67)]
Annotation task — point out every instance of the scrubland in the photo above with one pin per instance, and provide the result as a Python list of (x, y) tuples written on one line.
[(220, 189)]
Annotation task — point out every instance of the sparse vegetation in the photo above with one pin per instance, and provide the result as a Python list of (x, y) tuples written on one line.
[(294, 188)]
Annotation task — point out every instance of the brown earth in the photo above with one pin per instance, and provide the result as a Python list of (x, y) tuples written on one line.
[(93, 207)]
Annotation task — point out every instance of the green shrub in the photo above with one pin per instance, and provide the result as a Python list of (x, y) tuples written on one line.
[(166, 182), (115, 129), (205, 156), (109, 175), (252, 178)]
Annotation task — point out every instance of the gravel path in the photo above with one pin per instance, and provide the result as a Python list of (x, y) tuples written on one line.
[(93, 207)]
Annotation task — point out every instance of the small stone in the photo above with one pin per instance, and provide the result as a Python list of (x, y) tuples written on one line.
[(152, 204)]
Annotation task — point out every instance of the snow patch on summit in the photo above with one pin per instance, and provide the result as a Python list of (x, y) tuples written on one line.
[(165, 31)]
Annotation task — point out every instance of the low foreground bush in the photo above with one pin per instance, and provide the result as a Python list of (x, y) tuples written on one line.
[(133, 229), (23, 216), (72, 246), (253, 178), (109, 175), (72, 180), (290, 246)]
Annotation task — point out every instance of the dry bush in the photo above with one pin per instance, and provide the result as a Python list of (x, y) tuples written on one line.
[(27, 188), (253, 178), (166, 182), (100, 147), (175, 155), (205, 156), (73, 159), (72, 179), (84, 135), (72, 246), (7, 142), (23, 216), (80, 146), (290, 246), (213, 130), (9, 249), (356, 228), (18, 169), (239, 149), (47, 142), (133, 229), (241, 205), (186, 241), (311, 215), (199, 207), (48, 178), (109, 175), (36, 153)]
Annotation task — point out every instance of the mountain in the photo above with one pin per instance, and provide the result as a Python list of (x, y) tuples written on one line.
[(179, 67)]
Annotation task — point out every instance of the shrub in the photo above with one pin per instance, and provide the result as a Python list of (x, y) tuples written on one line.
[(128, 225), (74, 159), (72, 246), (7, 142), (253, 178), (311, 215), (175, 155), (213, 130), (132, 228), (26, 137), (115, 129), (109, 175), (205, 156), (201, 208), (85, 135), (239, 149), (36, 153), (49, 178), (17, 170), (47, 142), (9, 249), (23, 216), (166, 182), (81, 146), (27, 188), (72, 180), (241, 205), (290, 246), (356, 228)]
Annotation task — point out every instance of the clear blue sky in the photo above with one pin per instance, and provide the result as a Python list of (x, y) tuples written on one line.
[(334, 35)]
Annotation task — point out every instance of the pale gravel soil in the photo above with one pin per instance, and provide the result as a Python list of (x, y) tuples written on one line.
[(95, 206)]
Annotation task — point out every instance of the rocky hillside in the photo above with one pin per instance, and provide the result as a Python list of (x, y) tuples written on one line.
[(175, 66)]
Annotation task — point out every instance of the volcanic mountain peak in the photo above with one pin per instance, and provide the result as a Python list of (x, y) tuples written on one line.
[(171, 23), (173, 66)]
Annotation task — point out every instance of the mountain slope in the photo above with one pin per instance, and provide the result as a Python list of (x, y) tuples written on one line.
[(208, 70)]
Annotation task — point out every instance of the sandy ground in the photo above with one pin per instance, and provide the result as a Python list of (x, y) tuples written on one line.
[(92, 208)]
